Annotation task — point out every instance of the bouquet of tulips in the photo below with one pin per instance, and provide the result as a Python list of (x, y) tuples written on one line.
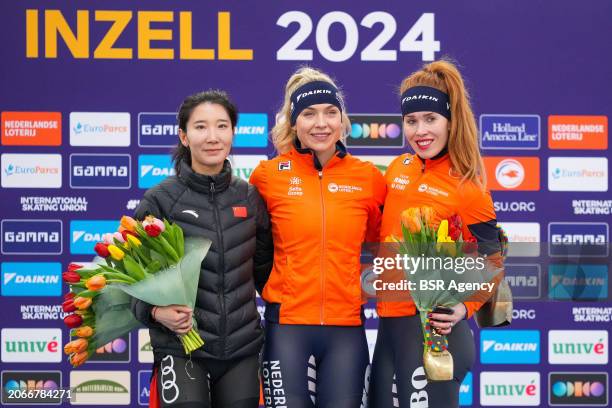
[(425, 236), (149, 260)]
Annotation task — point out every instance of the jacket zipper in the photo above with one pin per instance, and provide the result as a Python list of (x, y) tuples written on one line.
[(322, 249), (221, 284)]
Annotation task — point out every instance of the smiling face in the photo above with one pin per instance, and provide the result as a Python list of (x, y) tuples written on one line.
[(318, 128), (427, 133), (208, 135)]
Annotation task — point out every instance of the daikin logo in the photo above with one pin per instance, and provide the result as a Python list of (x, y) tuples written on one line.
[(510, 347), (153, 169), (84, 234), (31, 279)]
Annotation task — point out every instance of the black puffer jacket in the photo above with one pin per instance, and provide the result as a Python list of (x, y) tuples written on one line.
[(231, 213)]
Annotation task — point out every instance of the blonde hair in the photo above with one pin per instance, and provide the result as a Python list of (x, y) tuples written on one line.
[(283, 135), (463, 135)]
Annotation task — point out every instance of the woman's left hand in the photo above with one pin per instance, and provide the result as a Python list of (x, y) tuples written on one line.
[(443, 323)]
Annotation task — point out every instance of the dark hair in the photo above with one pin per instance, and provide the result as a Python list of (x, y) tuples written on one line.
[(215, 96)]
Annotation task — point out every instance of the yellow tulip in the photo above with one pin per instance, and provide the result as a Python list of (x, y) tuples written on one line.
[(116, 252), (133, 240)]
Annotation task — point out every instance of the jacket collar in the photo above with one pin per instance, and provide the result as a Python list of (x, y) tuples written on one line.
[(304, 152), (203, 183), (439, 159)]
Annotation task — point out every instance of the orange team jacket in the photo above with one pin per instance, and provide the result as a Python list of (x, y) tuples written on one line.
[(413, 182), (320, 217)]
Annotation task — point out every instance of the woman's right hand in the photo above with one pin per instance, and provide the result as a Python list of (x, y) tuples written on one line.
[(175, 317)]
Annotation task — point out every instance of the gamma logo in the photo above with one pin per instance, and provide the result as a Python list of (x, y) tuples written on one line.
[(31, 237), (578, 347), (18, 383), (375, 131), (524, 279), (578, 389), (583, 239), (100, 171), (157, 130), (510, 347)]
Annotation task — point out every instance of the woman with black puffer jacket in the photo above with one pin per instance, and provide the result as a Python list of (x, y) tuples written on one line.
[(205, 200)]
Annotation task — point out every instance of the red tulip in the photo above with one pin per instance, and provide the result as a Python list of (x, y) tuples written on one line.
[(73, 321), (125, 233), (152, 230), (73, 267), (71, 277), (68, 306), (454, 232), (470, 245), (69, 295), (102, 249)]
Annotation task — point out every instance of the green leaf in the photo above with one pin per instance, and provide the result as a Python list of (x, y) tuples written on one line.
[(134, 269)]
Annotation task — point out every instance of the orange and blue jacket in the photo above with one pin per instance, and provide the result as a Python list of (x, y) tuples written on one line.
[(320, 217), (415, 182)]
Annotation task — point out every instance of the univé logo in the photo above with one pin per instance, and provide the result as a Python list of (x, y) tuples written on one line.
[(31, 345), (578, 347), (509, 388), (382, 130)]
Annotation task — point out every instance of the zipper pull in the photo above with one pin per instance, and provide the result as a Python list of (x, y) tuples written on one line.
[(211, 194), (320, 174)]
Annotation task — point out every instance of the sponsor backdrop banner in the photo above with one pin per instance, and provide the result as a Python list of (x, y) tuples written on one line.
[(89, 95)]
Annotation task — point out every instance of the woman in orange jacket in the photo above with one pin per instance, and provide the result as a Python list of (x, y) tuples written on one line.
[(446, 173), (323, 204)]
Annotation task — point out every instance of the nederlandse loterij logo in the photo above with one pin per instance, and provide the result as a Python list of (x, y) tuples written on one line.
[(578, 132), (153, 169), (86, 233), (509, 388), (251, 130), (31, 279), (91, 387), (510, 347), (102, 129), (37, 345), (31, 170), (578, 174), (31, 128), (100, 171), (35, 237), (578, 347)]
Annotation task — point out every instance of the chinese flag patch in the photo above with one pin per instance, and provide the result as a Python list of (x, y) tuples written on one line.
[(240, 212)]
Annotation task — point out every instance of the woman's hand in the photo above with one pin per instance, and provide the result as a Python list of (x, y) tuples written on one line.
[(443, 323), (175, 317)]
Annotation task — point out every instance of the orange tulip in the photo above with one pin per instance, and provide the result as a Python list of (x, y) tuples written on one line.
[(76, 346), (411, 218), (128, 223), (78, 358), (391, 239), (428, 215), (82, 303), (83, 331), (96, 282)]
